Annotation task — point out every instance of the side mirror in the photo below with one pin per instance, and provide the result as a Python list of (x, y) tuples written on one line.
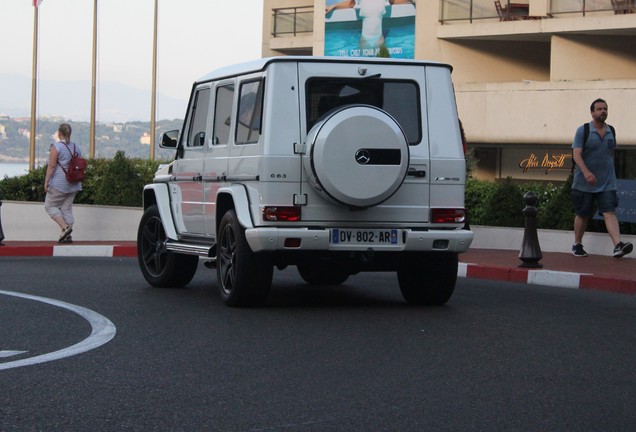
[(169, 139)]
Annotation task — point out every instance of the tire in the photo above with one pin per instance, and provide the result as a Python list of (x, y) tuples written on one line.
[(322, 273), (428, 279), (160, 267), (245, 278)]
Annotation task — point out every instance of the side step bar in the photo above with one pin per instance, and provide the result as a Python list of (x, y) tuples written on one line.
[(204, 250)]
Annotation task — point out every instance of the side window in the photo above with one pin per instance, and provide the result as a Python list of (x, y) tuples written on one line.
[(196, 133), (248, 128), (223, 114)]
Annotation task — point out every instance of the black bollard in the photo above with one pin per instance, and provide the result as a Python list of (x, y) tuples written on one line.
[(1, 233), (530, 252)]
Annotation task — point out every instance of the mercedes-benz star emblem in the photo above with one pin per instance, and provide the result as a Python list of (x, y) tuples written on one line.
[(363, 157)]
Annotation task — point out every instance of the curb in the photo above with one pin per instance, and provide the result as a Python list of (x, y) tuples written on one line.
[(69, 251), (548, 277)]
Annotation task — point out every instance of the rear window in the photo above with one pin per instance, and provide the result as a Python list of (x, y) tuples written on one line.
[(397, 97)]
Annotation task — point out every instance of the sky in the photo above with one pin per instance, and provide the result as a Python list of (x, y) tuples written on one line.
[(194, 37)]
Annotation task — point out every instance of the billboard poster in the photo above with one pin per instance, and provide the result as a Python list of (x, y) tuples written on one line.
[(370, 28)]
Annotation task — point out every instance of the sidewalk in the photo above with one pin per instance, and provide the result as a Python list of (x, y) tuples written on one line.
[(595, 272)]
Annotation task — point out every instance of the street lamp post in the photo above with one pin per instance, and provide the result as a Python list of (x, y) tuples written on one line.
[(93, 83), (153, 107)]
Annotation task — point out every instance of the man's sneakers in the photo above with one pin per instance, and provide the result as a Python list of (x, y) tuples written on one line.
[(578, 251), (622, 249)]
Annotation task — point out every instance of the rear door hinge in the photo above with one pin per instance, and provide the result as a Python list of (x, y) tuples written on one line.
[(300, 199)]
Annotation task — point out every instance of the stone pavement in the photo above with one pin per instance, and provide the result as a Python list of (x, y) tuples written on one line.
[(593, 272)]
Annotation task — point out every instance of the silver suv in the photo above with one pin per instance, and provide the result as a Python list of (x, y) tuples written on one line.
[(333, 165)]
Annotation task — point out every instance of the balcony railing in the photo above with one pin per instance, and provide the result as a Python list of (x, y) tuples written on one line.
[(292, 21), (589, 6), (471, 10)]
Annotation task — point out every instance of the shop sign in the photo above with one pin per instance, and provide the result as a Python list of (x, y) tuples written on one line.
[(547, 162)]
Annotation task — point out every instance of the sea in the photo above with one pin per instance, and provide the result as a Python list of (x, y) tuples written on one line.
[(13, 169)]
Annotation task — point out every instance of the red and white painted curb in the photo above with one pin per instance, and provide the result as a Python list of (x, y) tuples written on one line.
[(96, 251), (70, 251), (548, 277)]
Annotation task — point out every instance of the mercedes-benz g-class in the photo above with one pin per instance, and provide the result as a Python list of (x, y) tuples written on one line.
[(335, 166)]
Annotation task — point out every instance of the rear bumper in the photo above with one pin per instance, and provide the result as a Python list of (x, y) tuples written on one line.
[(273, 239)]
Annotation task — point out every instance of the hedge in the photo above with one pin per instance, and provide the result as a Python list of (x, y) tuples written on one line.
[(118, 182), (501, 204)]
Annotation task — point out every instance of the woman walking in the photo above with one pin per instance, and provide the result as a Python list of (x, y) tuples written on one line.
[(60, 193)]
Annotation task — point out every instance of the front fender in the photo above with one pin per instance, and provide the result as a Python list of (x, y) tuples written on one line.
[(161, 195)]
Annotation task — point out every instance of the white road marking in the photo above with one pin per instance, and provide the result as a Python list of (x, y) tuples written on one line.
[(7, 353), (103, 330)]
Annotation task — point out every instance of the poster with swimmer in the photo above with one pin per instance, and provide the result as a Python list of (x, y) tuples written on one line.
[(363, 28)]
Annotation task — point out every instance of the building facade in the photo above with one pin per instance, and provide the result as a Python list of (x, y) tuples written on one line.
[(525, 71)]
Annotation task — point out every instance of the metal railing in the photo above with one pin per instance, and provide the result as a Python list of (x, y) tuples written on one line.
[(471, 10), (588, 6), (292, 21)]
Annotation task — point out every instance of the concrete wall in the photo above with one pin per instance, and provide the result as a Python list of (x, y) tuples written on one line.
[(549, 240), (584, 57), (538, 113), (25, 221)]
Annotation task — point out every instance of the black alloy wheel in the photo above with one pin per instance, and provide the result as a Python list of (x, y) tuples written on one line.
[(160, 267)]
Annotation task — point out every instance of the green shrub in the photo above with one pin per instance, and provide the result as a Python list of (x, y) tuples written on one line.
[(477, 193), (28, 187), (557, 211), (504, 205), (118, 181), (121, 182), (94, 174)]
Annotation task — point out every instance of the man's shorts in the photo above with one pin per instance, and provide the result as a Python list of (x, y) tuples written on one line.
[(606, 201)]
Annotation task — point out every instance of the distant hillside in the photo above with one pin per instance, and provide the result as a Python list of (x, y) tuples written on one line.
[(71, 99), (132, 137)]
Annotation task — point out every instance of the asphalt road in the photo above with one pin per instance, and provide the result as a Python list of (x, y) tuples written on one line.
[(351, 358)]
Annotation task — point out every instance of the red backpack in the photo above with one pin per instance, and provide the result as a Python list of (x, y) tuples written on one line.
[(76, 166)]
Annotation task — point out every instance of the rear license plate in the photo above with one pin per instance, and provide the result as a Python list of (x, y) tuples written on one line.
[(367, 236)]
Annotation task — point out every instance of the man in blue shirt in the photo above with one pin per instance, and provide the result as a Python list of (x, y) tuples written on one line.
[(595, 180)]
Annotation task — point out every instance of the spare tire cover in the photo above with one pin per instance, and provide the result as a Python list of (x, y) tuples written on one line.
[(358, 155)]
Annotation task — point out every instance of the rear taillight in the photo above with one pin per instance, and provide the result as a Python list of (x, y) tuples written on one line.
[(281, 214), (445, 215)]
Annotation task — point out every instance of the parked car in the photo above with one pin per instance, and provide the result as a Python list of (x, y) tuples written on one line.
[(333, 165)]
